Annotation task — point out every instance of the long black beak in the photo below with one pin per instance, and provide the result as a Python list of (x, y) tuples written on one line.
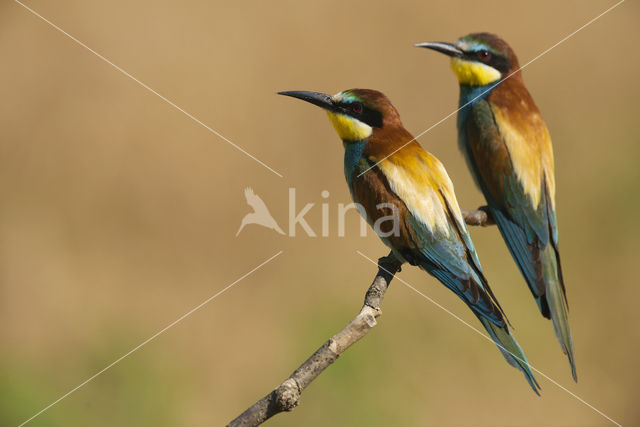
[(316, 98), (448, 49)]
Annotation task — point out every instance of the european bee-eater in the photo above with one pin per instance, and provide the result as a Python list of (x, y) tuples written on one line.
[(412, 187), (508, 149)]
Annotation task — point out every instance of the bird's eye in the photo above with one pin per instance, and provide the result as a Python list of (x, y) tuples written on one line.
[(484, 55), (356, 107)]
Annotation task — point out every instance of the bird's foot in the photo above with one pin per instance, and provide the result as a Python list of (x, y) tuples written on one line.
[(390, 263)]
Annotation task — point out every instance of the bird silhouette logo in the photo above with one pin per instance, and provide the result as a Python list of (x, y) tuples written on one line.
[(260, 214)]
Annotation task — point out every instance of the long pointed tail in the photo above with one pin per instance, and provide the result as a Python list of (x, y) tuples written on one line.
[(511, 351), (543, 273), (557, 303)]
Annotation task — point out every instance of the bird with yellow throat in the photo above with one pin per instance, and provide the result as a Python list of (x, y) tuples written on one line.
[(391, 176), (508, 149)]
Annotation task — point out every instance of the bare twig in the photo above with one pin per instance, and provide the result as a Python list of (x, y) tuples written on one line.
[(481, 217), (286, 396)]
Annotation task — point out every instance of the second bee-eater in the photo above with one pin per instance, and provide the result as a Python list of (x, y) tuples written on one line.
[(412, 187), (508, 149)]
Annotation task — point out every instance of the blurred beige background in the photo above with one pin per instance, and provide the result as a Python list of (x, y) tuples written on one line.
[(118, 214)]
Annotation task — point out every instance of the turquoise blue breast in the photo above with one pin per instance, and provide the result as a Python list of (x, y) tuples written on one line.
[(354, 163)]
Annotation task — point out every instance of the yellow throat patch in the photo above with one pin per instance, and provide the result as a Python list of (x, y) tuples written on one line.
[(474, 73), (348, 128)]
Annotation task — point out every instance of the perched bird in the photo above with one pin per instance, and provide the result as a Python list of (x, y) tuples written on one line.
[(412, 187), (508, 149), (260, 214)]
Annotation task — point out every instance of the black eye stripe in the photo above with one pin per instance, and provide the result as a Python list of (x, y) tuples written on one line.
[(492, 59), (359, 111)]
